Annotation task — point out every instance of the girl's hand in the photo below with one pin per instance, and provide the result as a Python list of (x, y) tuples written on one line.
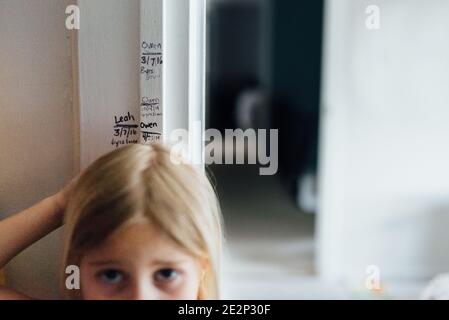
[(25, 228), (61, 199)]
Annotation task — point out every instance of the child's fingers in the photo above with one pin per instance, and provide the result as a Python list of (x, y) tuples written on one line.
[(63, 196)]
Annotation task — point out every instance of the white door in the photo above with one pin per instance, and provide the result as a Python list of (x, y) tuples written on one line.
[(383, 169)]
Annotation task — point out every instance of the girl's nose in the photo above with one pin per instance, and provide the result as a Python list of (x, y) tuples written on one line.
[(145, 290)]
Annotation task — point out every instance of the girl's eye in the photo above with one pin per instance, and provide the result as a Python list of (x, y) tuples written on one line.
[(111, 276), (166, 275)]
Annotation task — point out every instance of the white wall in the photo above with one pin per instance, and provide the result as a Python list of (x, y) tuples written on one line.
[(108, 49), (384, 180), (36, 131)]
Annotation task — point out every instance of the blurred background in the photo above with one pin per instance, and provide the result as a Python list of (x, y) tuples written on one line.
[(264, 71), (359, 95)]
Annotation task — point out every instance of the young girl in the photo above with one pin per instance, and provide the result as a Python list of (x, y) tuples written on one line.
[(138, 225)]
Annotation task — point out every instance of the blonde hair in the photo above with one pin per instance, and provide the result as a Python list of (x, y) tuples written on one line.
[(144, 181)]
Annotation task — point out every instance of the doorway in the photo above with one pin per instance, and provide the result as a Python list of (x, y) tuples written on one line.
[(263, 72)]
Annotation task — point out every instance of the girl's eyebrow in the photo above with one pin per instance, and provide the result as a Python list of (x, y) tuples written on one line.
[(168, 262), (105, 262), (118, 262)]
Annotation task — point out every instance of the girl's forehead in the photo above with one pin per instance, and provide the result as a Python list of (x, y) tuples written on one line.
[(141, 242)]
